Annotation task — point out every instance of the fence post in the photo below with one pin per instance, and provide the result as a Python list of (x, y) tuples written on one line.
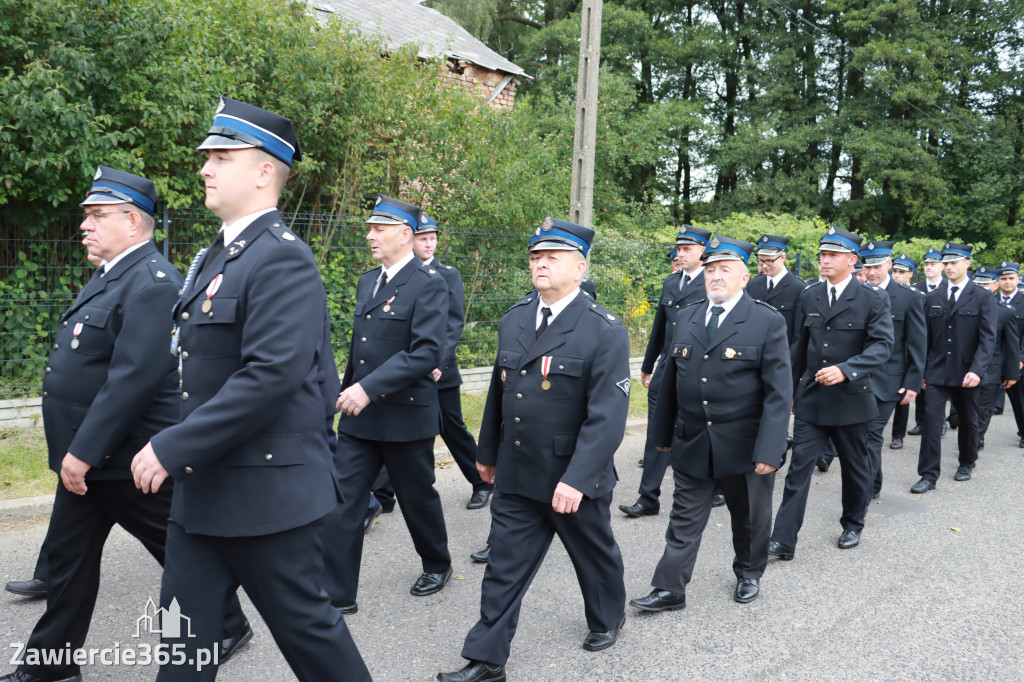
[(167, 232)]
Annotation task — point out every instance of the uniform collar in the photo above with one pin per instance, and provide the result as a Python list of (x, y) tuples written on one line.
[(236, 228), (397, 267), (556, 307), (108, 264)]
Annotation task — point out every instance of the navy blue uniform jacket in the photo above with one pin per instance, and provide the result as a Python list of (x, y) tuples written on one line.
[(854, 335), (782, 297), (570, 432), (250, 456), (671, 302), (1005, 363), (961, 339), (727, 399), (105, 399), (905, 366), (456, 321), (395, 348)]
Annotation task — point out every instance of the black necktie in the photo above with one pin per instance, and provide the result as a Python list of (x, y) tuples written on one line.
[(683, 282), (952, 296), (713, 322), (545, 314), (1006, 300), (215, 248), (833, 297), (771, 285), (931, 287), (381, 282)]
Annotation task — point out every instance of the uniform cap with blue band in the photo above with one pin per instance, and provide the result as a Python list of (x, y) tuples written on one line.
[(838, 239), (932, 256), (876, 252), (770, 244), (725, 248), (688, 234), (671, 255), (390, 211), (561, 235), (427, 224), (904, 262), (237, 125), (1007, 267), (110, 186), (952, 251), (985, 274)]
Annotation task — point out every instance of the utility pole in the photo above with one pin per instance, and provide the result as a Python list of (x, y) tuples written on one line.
[(581, 201)]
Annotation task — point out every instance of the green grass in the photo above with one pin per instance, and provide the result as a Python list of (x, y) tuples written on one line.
[(23, 466)]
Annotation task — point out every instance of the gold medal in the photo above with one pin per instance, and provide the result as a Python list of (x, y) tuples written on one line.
[(207, 306), (730, 353), (386, 308), (545, 385), (74, 343), (503, 375)]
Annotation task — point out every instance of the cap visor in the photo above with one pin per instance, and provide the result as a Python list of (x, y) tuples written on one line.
[(554, 246), (384, 220), (715, 257), (221, 142), (838, 248), (100, 199)]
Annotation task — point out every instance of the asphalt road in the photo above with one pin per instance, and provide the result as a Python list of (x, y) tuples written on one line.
[(934, 591)]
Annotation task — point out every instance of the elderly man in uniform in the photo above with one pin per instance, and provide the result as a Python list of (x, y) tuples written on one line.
[(678, 290), (723, 410), (109, 386), (845, 336), (898, 381), (1004, 368), (1009, 279), (389, 404), (774, 284), (903, 270), (961, 319), (250, 460), (555, 414)]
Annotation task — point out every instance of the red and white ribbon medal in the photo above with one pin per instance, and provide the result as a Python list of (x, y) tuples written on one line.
[(76, 331), (387, 303), (545, 367), (210, 291)]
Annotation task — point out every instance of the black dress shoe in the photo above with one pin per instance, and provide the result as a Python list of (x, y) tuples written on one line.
[(916, 431), (22, 676), (718, 499), (479, 498), (1021, 443), (998, 411), (945, 428), (345, 608), (922, 486), (823, 465), (230, 646), (371, 515), (849, 539), (476, 671), (660, 600), (28, 588), (962, 474), (781, 551), (483, 556), (747, 590), (981, 443), (640, 463), (429, 583), (896, 444), (596, 641), (637, 510)]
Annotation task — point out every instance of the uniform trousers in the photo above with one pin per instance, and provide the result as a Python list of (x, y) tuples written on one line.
[(521, 532), (749, 500), (855, 461), (876, 439), (900, 419), (411, 468), (79, 526), (283, 575), (1015, 395), (655, 462), (986, 407), (965, 402)]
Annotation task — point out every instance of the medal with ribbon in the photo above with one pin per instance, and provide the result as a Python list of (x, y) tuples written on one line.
[(387, 303), (210, 291), (545, 367), (76, 331)]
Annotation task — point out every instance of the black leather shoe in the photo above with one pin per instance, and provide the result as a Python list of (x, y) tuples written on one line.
[(22, 676), (371, 515), (945, 429), (981, 443), (747, 590), (1021, 443), (429, 583), (640, 463), (849, 539), (637, 510), (922, 486), (718, 500), (998, 411), (27, 588), (596, 641), (896, 444), (660, 600), (480, 498), (962, 474), (483, 556), (476, 671), (230, 646), (823, 465), (781, 551), (345, 608), (916, 431)]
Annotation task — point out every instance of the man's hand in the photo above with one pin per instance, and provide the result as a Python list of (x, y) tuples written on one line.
[(1009, 383), (663, 449), (147, 470), (486, 472), (908, 396), (830, 376), (971, 380), (645, 379), (761, 468), (436, 374), (567, 499), (72, 474), (353, 400)]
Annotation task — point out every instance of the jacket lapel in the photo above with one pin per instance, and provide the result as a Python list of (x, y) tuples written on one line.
[(554, 336), (730, 326), (391, 290), (844, 301), (698, 330), (98, 283), (964, 296), (230, 252)]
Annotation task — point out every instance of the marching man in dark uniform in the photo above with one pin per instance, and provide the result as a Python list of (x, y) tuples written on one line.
[(1004, 367), (961, 318), (931, 263), (723, 407), (899, 379), (554, 416), (845, 336), (252, 471), (775, 285), (1009, 278), (903, 270), (389, 404), (677, 291)]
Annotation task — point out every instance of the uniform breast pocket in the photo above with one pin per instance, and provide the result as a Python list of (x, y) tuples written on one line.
[(507, 362), (935, 311), (970, 313), (814, 322), (394, 323), (213, 333), (91, 331), (681, 354), (741, 353), (849, 324), (563, 378)]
